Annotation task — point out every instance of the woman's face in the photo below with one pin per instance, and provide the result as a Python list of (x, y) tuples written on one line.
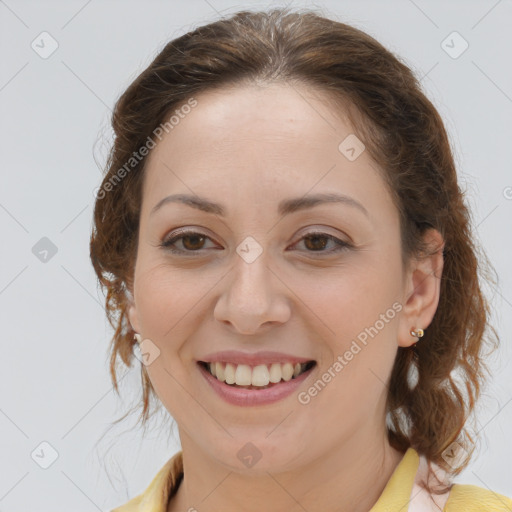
[(258, 279)]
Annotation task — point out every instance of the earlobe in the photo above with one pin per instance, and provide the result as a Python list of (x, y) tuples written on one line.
[(131, 309), (132, 313), (132, 317), (423, 287)]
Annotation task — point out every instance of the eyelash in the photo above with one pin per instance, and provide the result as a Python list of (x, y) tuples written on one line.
[(167, 244)]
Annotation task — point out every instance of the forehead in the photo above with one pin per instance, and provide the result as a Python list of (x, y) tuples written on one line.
[(272, 141), (251, 115)]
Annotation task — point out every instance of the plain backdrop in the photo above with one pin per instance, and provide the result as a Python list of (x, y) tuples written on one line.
[(54, 130)]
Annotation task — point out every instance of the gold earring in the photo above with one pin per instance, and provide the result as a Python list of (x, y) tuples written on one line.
[(418, 333)]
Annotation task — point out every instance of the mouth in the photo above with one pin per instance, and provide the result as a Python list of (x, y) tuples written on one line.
[(258, 377)]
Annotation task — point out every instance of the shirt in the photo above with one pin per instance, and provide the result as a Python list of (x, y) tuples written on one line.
[(402, 492)]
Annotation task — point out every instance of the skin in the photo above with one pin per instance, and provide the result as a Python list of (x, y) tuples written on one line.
[(248, 148)]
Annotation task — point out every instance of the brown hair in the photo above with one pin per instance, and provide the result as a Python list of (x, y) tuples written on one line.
[(403, 133)]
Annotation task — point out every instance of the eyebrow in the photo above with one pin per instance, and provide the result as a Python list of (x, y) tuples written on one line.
[(285, 207)]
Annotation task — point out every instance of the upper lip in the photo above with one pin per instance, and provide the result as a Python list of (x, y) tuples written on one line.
[(252, 359)]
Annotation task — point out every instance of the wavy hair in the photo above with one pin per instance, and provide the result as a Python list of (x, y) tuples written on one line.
[(403, 133)]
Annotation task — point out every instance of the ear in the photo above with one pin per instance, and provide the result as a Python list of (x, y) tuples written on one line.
[(422, 286), (132, 312)]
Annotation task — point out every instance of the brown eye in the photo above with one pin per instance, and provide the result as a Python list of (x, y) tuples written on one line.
[(316, 242), (191, 242)]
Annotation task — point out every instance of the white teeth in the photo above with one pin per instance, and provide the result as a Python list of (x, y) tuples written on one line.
[(287, 371), (243, 375), (219, 370), (275, 372), (260, 375), (229, 373)]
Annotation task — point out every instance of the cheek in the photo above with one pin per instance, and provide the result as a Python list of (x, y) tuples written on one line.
[(353, 298), (357, 311), (166, 295), (162, 304), (170, 306), (164, 298), (360, 346)]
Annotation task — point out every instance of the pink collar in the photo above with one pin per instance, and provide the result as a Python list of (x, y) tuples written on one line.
[(421, 500)]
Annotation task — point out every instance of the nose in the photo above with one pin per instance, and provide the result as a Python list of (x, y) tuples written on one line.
[(252, 296)]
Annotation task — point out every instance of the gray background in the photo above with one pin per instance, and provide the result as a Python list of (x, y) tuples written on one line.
[(55, 132)]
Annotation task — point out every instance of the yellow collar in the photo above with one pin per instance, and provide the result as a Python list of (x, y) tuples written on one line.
[(397, 493), (395, 496)]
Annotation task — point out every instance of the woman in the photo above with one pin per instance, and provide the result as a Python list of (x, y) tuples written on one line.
[(286, 249)]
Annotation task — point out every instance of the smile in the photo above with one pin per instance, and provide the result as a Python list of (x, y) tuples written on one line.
[(255, 395), (261, 376)]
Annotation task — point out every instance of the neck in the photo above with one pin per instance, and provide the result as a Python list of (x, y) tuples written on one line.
[(349, 477)]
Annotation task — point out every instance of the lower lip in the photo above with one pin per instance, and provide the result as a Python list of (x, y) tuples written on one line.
[(250, 397)]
